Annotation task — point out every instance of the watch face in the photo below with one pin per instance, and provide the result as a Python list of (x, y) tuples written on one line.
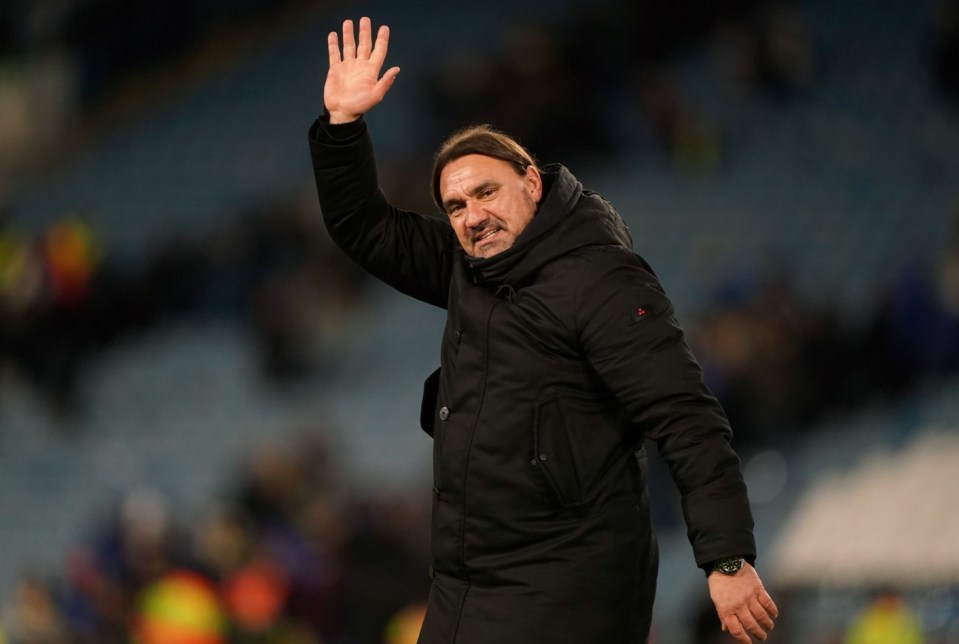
[(729, 566)]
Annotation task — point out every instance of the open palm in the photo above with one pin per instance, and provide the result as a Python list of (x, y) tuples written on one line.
[(353, 83)]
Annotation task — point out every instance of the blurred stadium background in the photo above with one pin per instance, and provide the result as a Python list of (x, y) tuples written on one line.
[(208, 418)]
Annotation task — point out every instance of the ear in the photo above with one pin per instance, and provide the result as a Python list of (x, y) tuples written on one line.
[(534, 183)]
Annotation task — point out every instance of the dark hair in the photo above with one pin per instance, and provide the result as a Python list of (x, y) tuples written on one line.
[(478, 139)]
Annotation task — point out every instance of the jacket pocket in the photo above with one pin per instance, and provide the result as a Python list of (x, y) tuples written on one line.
[(554, 454), (431, 388)]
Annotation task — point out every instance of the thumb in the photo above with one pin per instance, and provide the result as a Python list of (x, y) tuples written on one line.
[(383, 84)]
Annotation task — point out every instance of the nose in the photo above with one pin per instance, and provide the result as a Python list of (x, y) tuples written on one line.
[(475, 215)]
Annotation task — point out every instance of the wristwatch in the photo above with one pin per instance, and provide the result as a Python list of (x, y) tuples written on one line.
[(728, 565)]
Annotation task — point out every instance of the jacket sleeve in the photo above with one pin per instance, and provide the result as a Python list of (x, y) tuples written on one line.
[(632, 340), (408, 251)]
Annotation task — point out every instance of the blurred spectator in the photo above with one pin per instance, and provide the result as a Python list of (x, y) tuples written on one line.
[(135, 548), (113, 38), (787, 61), (21, 275), (767, 48), (529, 88), (71, 252), (45, 285), (34, 615), (181, 606), (916, 324), (886, 620), (946, 46), (255, 597), (404, 627), (752, 340), (387, 560), (947, 293)]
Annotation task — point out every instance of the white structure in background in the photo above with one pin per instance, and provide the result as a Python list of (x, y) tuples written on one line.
[(891, 520)]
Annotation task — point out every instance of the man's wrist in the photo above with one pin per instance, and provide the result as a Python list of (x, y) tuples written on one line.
[(340, 118), (728, 566)]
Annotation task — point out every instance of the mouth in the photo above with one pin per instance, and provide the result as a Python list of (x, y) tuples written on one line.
[(483, 237)]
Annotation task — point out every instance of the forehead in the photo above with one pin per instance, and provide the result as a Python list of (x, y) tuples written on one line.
[(466, 171)]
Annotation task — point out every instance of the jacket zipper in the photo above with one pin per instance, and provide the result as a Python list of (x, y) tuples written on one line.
[(469, 447)]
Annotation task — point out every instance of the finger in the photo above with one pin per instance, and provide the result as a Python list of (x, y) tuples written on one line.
[(333, 44), (768, 603), (349, 42), (382, 44), (365, 45), (736, 629), (761, 615), (751, 625)]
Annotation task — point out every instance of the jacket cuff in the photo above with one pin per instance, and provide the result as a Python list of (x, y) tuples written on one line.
[(325, 133), (719, 522)]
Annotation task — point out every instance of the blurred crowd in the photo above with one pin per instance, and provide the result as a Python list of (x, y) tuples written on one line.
[(781, 360), (74, 69), (65, 297), (111, 39), (289, 555), (571, 92)]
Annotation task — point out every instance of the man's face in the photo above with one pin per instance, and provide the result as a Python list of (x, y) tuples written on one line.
[(488, 203)]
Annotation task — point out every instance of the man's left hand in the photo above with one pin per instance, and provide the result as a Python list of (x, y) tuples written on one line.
[(742, 603)]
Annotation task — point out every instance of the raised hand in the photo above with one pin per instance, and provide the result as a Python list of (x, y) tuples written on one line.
[(353, 83)]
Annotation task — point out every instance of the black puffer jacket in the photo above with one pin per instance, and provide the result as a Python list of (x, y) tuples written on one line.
[(560, 355)]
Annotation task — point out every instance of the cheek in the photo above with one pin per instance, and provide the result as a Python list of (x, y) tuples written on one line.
[(527, 211), (460, 229), (530, 204)]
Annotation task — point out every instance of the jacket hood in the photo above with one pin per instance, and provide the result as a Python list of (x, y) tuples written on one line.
[(568, 218)]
